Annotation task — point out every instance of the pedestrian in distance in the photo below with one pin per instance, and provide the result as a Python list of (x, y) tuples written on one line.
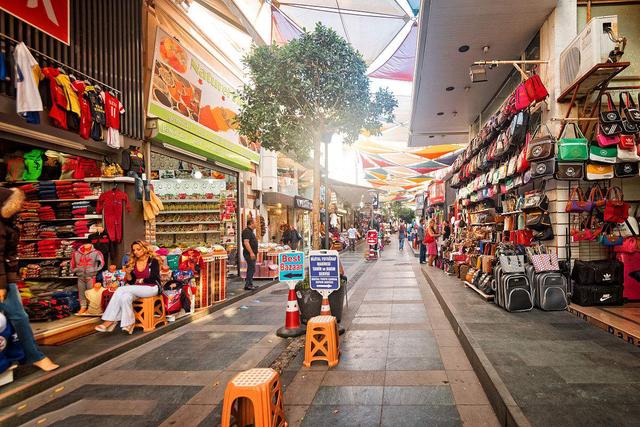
[(420, 236), (250, 252), (431, 238), (352, 233), (402, 232)]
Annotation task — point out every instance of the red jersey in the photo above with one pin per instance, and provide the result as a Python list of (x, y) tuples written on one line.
[(85, 109), (113, 108)]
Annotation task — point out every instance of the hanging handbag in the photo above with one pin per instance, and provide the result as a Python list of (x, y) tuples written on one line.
[(629, 108), (577, 202), (610, 115), (518, 128), (596, 197), (610, 238), (511, 168), (604, 140), (512, 263), (544, 235), (543, 168), (541, 147), (524, 237), (597, 172), (630, 226), (616, 210), (624, 155), (569, 171), (625, 170), (538, 221), (603, 154), (573, 149), (522, 98), (523, 163), (536, 200), (536, 91)]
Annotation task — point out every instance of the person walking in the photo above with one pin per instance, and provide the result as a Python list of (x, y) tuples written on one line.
[(421, 235), (250, 252), (402, 231), (352, 233), (10, 303), (431, 237), (294, 238)]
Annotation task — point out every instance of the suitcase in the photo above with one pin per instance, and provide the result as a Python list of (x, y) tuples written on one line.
[(515, 292), (550, 291), (590, 295)]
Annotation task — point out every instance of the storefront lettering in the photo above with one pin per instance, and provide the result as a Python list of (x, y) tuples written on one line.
[(209, 78)]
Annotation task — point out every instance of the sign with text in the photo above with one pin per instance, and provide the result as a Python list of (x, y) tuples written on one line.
[(291, 266), (302, 203), (372, 237), (49, 16), (324, 270)]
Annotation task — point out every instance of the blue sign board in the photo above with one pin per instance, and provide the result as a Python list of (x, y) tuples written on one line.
[(324, 270), (291, 266)]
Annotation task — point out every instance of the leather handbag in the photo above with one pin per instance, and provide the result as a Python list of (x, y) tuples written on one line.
[(596, 197), (616, 210), (610, 238), (544, 235), (511, 167), (573, 149), (541, 147), (543, 168), (625, 170), (523, 163), (536, 90), (603, 154), (597, 172), (512, 263), (538, 221), (609, 115), (524, 237), (629, 109), (536, 200), (487, 263), (569, 171), (518, 128), (577, 202)]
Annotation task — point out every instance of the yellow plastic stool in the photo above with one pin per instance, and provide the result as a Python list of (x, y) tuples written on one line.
[(322, 342), (149, 312), (259, 397)]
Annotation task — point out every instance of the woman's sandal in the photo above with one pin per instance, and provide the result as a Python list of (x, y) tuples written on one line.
[(46, 364), (129, 329), (102, 328)]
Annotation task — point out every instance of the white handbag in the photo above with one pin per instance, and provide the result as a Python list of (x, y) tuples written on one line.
[(627, 155), (630, 226), (512, 263)]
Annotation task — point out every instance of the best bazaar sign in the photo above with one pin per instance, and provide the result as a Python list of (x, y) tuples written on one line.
[(49, 16)]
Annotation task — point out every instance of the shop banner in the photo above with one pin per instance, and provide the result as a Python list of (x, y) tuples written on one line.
[(188, 94), (175, 187), (324, 270), (302, 203), (291, 266), (436, 192), (49, 16)]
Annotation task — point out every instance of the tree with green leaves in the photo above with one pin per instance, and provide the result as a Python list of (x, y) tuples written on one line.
[(312, 87)]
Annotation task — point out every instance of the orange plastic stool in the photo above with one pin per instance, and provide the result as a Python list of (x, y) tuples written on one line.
[(149, 312), (259, 397), (322, 342)]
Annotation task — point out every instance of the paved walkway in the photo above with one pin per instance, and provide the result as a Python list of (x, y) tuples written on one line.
[(177, 379), (546, 368), (401, 362)]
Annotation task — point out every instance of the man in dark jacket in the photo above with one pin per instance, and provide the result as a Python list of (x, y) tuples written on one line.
[(10, 204)]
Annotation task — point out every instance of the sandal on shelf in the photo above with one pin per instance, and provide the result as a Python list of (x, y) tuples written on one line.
[(102, 328)]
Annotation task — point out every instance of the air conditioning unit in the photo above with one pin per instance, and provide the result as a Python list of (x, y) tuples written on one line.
[(269, 170), (591, 47)]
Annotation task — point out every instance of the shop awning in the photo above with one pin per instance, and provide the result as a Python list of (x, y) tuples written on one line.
[(350, 193), (221, 151)]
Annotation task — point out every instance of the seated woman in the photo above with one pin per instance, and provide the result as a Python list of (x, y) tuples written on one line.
[(143, 278)]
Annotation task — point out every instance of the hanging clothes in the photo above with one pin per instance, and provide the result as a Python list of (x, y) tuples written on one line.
[(28, 75), (73, 105), (110, 204), (58, 108), (85, 109)]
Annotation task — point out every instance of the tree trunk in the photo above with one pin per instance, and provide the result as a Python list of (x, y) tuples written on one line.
[(316, 192)]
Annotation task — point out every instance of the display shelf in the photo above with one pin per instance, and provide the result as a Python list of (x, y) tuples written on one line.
[(37, 182), (482, 224), (482, 211), (189, 201), (510, 213), (122, 179), (486, 297), (89, 198), (599, 75), (33, 258), (33, 279), (187, 223), (54, 238), (189, 212), (88, 217), (187, 232)]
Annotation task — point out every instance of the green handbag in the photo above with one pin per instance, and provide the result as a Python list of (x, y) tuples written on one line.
[(573, 149), (603, 154)]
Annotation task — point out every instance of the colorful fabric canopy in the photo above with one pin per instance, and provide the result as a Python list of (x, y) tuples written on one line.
[(401, 65)]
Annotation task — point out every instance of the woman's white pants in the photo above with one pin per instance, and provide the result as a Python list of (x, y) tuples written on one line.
[(120, 307)]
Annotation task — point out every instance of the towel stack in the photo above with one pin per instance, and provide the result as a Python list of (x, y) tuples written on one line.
[(65, 190), (46, 213), (81, 228), (48, 248)]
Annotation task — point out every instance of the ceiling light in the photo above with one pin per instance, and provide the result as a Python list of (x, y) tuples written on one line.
[(450, 88), (463, 48), (431, 136), (440, 113)]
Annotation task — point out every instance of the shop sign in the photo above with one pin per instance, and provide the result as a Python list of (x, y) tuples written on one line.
[(436, 192), (324, 270), (188, 186), (302, 203), (291, 266), (188, 94), (372, 237), (49, 16)]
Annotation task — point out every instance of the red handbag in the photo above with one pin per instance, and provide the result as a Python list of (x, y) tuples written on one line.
[(627, 142), (595, 196), (616, 210), (524, 237), (535, 88), (522, 98), (606, 141), (523, 164)]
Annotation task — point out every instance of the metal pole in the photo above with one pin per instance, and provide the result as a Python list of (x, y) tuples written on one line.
[(326, 194)]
